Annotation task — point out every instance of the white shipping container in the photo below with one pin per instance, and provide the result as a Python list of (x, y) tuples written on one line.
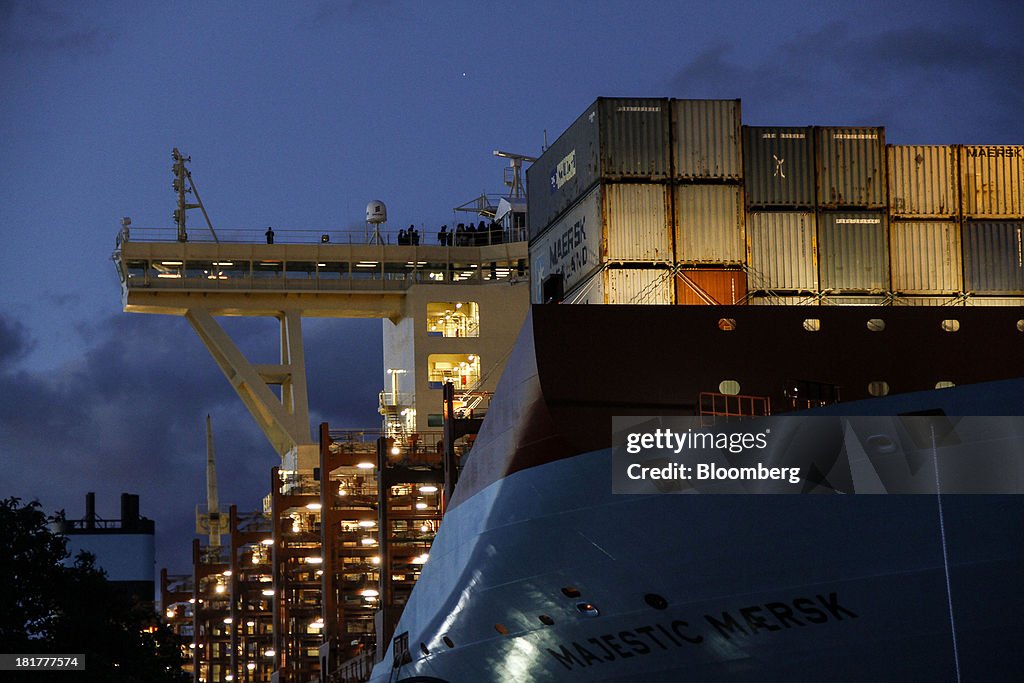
[(922, 181), (769, 300), (990, 181), (571, 247), (996, 301), (614, 285), (709, 224), (925, 257), (637, 223), (613, 223), (783, 251)]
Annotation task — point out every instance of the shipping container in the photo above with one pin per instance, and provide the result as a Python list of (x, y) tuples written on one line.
[(922, 181), (621, 223), (851, 167), (778, 167), (711, 286), (993, 258), (928, 301), (843, 300), (990, 181), (925, 257), (624, 285), (615, 139), (706, 140), (997, 301), (709, 224), (772, 300), (853, 251), (783, 252)]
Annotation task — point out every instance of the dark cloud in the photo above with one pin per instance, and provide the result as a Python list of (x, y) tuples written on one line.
[(14, 342), (35, 26), (954, 81), (128, 415)]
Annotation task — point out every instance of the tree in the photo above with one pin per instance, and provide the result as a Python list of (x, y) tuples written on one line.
[(48, 607)]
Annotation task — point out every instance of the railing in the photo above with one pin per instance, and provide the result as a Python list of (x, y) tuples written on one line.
[(318, 236), (713, 404)]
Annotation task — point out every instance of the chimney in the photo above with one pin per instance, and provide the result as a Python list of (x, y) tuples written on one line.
[(90, 510)]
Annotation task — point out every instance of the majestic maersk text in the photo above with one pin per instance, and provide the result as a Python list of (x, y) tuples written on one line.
[(718, 627)]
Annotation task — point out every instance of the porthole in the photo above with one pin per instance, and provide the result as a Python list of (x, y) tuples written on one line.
[(950, 325), (812, 324), (944, 384), (448, 641), (727, 324), (587, 609), (501, 628), (876, 325), (1020, 325), (424, 649), (729, 386), (545, 619), (656, 601), (878, 388), (571, 592)]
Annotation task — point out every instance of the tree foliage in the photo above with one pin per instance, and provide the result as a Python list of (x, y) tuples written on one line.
[(50, 607)]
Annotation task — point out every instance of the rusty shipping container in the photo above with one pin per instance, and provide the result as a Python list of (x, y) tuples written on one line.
[(782, 248), (990, 181), (709, 224), (778, 167), (993, 257), (851, 167), (614, 222), (706, 140), (615, 139), (853, 252), (624, 285), (925, 257), (711, 286), (922, 181)]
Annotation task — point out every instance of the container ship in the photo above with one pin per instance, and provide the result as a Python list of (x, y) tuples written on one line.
[(846, 278), (756, 273)]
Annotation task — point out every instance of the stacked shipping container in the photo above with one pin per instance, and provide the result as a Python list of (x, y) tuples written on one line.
[(707, 162), (672, 201), (599, 199)]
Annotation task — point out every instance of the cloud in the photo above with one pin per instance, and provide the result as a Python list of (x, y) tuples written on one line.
[(954, 82), (128, 415), (14, 342), (37, 26)]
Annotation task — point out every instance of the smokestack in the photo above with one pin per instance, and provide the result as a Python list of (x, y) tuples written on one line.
[(90, 510), (129, 510)]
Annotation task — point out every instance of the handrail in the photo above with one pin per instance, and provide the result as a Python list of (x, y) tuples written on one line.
[(309, 236)]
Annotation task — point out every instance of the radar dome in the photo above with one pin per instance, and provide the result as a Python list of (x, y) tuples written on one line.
[(376, 212)]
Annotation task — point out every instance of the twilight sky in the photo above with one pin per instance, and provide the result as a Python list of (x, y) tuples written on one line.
[(296, 114)]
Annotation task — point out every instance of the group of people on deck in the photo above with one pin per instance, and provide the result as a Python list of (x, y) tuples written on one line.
[(468, 236)]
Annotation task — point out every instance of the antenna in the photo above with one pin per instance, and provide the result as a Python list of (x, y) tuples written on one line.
[(514, 180), (181, 176)]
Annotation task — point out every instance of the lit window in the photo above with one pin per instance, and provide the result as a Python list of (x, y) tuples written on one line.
[(944, 384), (453, 319), (878, 388), (461, 369), (876, 324), (950, 325), (727, 324), (812, 324), (729, 386)]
